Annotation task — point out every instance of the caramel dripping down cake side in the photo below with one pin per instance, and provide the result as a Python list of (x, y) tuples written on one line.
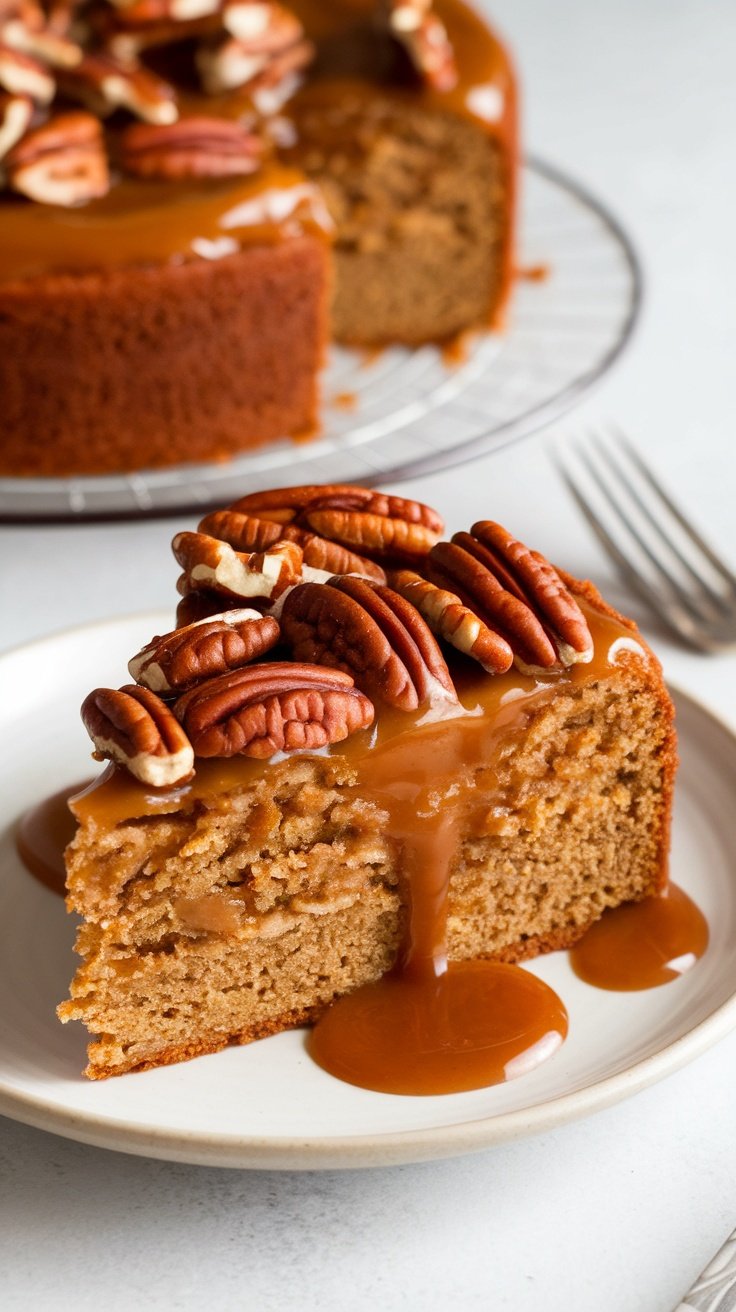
[(178, 246), (237, 868)]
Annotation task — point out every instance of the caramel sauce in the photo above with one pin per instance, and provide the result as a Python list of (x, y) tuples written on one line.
[(42, 835), (642, 945), (156, 222), (456, 350), (488, 707), (345, 401), (534, 273), (146, 222), (477, 1023)]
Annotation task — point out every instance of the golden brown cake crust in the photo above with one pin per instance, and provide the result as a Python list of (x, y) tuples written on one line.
[(203, 359)]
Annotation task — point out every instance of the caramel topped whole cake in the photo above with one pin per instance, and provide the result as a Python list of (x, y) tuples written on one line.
[(370, 765), (196, 194)]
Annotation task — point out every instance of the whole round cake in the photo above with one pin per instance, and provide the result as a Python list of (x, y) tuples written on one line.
[(198, 194)]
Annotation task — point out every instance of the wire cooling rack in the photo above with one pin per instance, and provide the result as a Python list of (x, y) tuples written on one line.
[(403, 413)]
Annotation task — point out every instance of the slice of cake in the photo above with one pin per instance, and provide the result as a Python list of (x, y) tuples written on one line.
[(191, 206), (364, 749)]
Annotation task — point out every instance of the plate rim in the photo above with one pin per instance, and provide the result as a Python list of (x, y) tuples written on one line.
[(377, 1149), (531, 421)]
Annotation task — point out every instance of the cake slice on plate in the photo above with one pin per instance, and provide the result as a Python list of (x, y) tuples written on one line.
[(364, 745)]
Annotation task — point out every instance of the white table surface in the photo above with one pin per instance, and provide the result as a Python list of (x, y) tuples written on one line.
[(614, 1214)]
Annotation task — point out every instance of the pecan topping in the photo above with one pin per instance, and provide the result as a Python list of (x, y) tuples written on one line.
[(382, 527), (135, 728), (425, 39), (192, 148), (16, 113), (22, 75), (247, 533), (514, 591), (63, 162), (209, 563), (264, 709), (262, 49), (202, 650), (373, 633), (448, 618), (27, 29), (146, 26), (105, 84), (225, 63), (451, 566), (265, 28)]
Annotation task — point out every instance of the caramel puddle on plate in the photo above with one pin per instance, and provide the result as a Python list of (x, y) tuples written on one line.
[(642, 945), (477, 1023), (42, 835)]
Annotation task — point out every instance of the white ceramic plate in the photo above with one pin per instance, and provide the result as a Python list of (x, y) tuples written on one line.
[(410, 412), (268, 1105)]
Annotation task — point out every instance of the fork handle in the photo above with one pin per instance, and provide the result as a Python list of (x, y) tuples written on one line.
[(715, 1289)]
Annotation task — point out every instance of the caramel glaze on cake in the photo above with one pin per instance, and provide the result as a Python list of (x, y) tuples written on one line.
[(185, 320), (181, 361), (496, 818)]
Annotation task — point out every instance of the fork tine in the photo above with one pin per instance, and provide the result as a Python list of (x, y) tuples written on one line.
[(717, 599), (695, 537), (670, 613), (687, 603)]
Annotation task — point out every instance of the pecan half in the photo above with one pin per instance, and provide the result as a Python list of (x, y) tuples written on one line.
[(424, 37), (538, 583), (247, 533), (16, 113), (515, 592), (105, 84), (209, 563), (371, 632), (22, 75), (29, 31), (63, 162), (202, 650), (453, 567), (225, 63), (192, 148), (134, 727), (265, 28), (448, 618), (281, 707), (381, 527)]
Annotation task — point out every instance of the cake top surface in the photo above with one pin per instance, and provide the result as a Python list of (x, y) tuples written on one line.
[(110, 109), (306, 610)]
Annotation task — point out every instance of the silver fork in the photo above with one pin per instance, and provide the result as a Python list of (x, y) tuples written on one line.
[(652, 543)]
